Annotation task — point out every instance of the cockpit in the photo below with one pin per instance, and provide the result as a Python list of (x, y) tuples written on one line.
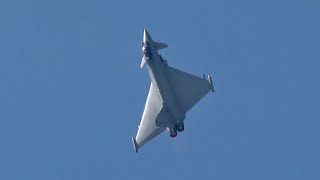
[(146, 49)]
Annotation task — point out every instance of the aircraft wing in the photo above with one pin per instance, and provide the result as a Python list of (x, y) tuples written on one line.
[(189, 89), (153, 118)]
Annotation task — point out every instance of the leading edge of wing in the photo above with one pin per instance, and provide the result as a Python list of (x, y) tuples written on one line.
[(189, 89), (148, 128)]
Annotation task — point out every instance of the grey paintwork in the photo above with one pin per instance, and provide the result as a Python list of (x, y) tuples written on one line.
[(172, 93)]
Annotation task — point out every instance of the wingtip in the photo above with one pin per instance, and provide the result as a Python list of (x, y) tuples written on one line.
[(211, 82), (135, 144)]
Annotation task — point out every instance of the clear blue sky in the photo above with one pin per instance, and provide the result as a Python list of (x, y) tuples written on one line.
[(72, 92)]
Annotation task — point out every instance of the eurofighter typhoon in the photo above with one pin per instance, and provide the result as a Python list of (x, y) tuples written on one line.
[(171, 95)]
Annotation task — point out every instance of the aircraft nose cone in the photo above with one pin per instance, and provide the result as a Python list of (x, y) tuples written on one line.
[(146, 35)]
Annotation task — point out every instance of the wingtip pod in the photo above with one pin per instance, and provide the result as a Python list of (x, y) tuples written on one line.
[(135, 144), (211, 82)]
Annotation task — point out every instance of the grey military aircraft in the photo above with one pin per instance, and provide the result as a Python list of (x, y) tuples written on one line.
[(171, 95)]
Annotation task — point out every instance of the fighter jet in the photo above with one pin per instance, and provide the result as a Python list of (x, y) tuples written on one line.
[(171, 95)]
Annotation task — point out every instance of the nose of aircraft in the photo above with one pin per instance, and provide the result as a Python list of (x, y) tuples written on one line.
[(146, 36)]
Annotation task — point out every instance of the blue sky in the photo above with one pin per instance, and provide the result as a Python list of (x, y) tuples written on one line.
[(72, 92)]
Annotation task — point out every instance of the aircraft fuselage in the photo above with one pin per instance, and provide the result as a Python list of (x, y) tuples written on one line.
[(172, 94), (158, 69)]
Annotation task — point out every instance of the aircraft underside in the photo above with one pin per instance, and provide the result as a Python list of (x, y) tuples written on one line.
[(172, 93)]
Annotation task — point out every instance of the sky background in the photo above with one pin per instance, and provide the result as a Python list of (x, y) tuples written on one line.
[(72, 93)]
